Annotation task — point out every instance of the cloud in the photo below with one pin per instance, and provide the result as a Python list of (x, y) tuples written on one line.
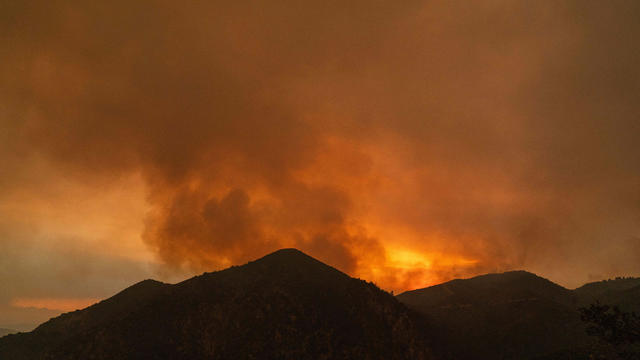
[(483, 137)]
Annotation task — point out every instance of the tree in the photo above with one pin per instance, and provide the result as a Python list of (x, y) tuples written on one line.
[(618, 331)]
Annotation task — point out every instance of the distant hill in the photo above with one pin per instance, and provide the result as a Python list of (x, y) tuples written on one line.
[(514, 315), (624, 292), (4, 332), (286, 305)]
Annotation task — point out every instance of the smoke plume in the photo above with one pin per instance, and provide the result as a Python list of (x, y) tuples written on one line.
[(404, 142)]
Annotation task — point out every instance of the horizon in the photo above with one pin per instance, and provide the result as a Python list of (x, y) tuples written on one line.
[(80, 304)]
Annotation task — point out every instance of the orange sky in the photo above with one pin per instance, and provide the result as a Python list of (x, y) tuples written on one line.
[(407, 143)]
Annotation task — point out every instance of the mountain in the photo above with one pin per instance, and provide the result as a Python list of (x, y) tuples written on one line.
[(4, 332), (285, 305), (514, 315), (624, 292), (288, 305)]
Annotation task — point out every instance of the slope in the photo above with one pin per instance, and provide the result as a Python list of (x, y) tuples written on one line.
[(286, 305), (514, 315)]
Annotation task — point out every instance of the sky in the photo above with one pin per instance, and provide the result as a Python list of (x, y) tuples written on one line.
[(403, 142)]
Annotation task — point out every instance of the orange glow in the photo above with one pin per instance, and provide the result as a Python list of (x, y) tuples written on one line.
[(412, 144), (62, 304), (407, 259)]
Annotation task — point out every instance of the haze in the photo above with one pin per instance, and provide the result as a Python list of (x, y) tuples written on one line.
[(407, 143)]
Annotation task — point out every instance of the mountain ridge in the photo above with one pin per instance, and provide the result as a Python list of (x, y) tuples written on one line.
[(290, 305), (4, 332), (514, 315), (285, 305), (513, 281)]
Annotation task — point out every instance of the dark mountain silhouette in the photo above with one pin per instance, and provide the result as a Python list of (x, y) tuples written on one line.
[(286, 305), (514, 315), (623, 292), (4, 332)]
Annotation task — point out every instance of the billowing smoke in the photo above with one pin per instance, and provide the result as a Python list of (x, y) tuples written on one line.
[(405, 142)]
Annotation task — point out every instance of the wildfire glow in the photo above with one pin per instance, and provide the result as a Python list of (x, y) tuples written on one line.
[(407, 259)]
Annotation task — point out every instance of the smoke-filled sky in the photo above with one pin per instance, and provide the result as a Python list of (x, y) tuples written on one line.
[(404, 142)]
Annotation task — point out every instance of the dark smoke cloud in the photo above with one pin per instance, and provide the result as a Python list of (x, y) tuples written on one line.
[(503, 133)]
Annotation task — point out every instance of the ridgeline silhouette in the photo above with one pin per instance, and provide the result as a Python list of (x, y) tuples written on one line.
[(516, 315), (4, 332), (287, 305)]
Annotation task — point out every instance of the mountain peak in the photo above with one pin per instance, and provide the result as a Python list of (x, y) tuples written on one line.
[(286, 254), (488, 288), (506, 277), (291, 263), (285, 305), (479, 315), (609, 290)]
